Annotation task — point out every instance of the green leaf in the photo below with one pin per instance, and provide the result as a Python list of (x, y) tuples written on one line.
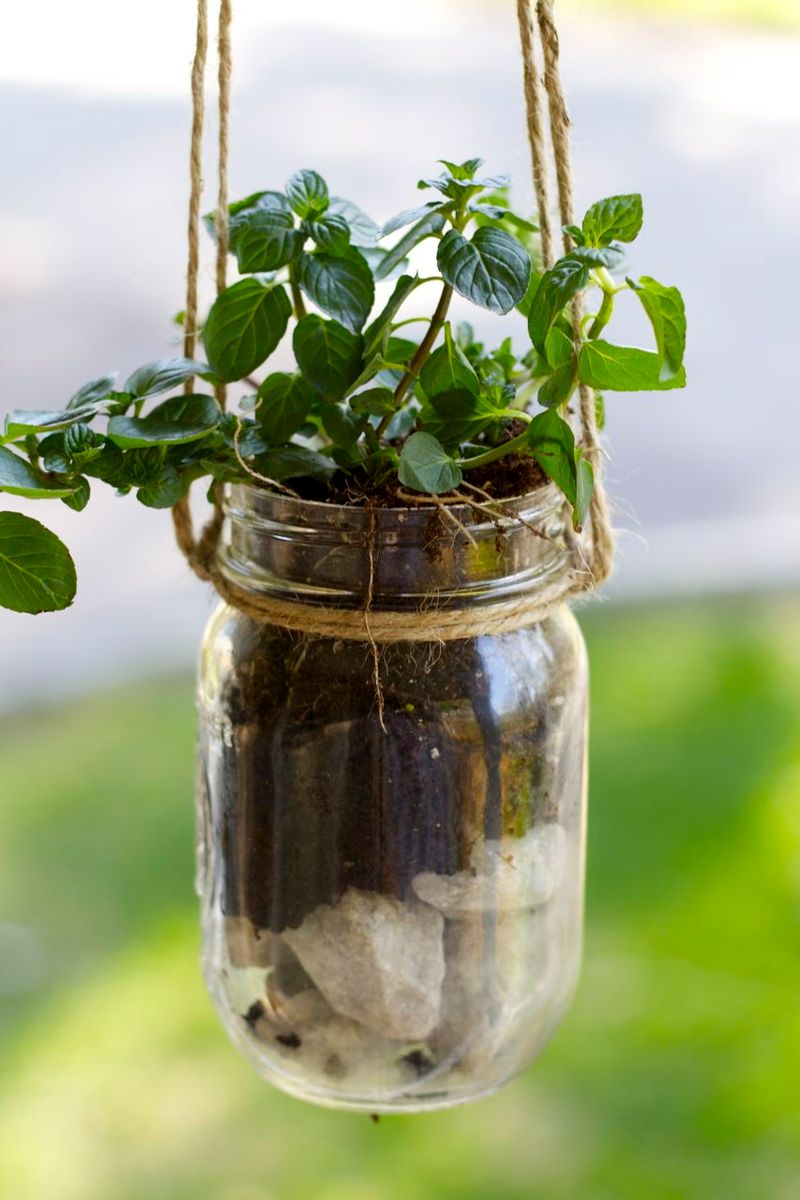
[(342, 287), (624, 369), (246, 323), (429, 226), (616, 219), (599, 411), (80, 496), (557, 390), (491, 270), (175, 421), (376, 334), (162, 376), (583, 490), (665, 308), (331, 233), (552, 444), (266, 239), (375, 402), (556, 288), (462, 171), (284, 403), (409, 216), (164, 491), (363, 230), (37, 573), (599, 256), (240, 211), (329, 355), (81, 443), (295, 462), (308, 194), (460, 416), (342, 425), (22, 421), (449, 368), (19, 478), (426, 466), (94, 390)]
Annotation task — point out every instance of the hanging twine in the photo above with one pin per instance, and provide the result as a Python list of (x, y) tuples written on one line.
[(200, 553), (592, 555), (541, 33)]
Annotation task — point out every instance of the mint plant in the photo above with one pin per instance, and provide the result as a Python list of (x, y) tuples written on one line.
[(385, 402)]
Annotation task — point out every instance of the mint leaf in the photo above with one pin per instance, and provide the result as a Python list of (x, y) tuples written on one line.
[(377, 333), (331, 233), (375, 402), (329, 355), (552, 444), (23, 421), (410, 216), (342, 287), (618, 218), (428, 226), (363, 230), (460, 416), (266, 239), (624, 369), (556, 288), (245, 324), (294, 462), (308, 194), (162, 376), (664, 306), (491, 270), (426, 466), (583, 490), (599, 256), (284, 403), (164, 491), (37, 573), (95, 389), (19, 478), (449, 368), (181, 419), (80, 495)]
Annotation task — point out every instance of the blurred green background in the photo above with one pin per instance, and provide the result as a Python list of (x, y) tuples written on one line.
[(675, 1076)]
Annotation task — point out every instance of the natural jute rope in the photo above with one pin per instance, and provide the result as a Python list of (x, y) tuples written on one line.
[(591, 556)]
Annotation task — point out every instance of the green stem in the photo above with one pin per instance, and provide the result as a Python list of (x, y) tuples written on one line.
[(603, 316), (496, 452), (421, 356), (297, 295)]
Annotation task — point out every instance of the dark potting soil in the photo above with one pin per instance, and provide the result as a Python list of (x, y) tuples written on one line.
[(312, 796), (514, 475)]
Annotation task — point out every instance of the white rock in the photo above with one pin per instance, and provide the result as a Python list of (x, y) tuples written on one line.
[(377, 960), (513, 873), (497, 986)]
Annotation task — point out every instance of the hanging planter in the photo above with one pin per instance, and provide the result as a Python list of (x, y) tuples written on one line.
[(393, 689)]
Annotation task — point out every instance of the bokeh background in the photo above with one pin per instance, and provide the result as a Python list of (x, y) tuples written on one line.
[(675, 1075)]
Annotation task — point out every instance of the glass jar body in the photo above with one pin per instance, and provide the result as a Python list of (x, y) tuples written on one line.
[(392, 911)]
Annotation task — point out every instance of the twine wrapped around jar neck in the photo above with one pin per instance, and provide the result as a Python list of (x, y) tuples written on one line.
[(591, 554)]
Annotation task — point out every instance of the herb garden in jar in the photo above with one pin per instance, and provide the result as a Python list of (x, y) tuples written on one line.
[(393, 689)]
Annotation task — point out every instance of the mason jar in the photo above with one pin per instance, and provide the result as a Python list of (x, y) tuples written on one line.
[(391, 836)]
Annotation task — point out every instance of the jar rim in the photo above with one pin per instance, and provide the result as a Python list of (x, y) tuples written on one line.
[(250, 501), (333, 554)]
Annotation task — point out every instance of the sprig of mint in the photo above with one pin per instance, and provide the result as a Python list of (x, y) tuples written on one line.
[(383, 388)]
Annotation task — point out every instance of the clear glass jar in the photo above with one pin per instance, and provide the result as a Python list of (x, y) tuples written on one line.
[(392, 918)]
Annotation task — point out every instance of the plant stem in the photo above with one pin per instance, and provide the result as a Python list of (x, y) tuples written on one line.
[(604, 280), (421, 356), (297, 295), (496, 452)]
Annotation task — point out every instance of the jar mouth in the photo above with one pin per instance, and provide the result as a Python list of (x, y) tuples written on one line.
[(336, 554), (254, 503)]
